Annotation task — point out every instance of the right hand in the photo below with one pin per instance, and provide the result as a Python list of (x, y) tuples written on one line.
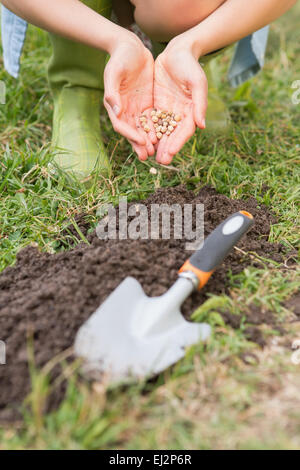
[(128, 84), (181, 86)]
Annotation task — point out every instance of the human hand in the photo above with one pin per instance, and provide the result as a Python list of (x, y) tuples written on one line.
[(128, 83), (180, 85)]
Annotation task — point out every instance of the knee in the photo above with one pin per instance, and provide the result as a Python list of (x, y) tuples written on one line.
[(162, 20)]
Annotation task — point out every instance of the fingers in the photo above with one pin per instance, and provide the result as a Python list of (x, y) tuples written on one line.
[(123, 127), (113, 100), (143, 151), (140, 150), (150, 136), (199, 97), (161, 155), (112, 81), (113, 104), (181, 135), (169, 146)]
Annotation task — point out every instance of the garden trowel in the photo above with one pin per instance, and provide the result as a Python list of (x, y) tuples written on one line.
[(134, 336)]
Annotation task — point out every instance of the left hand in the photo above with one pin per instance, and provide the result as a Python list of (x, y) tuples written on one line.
[(180, 86), (128, 84)]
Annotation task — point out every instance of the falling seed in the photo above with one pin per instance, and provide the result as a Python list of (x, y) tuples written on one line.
[(153, 171), (159, 135)]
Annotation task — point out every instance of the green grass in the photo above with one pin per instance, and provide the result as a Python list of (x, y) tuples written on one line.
[(211, 399)]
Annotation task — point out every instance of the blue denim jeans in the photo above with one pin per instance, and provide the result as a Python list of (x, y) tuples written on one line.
[(248, 58)]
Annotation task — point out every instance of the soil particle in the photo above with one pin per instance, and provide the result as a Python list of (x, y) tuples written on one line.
[(294, 305), (50, 296)]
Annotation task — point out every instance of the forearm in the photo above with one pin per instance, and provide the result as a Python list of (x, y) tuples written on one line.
[(232, 21), (71, 19)]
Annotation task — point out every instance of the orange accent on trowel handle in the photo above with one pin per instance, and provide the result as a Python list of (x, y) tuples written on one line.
[(217, 246), (247, 214), (201, 275)]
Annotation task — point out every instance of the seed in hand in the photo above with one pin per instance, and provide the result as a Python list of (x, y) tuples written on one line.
[(164, 122)]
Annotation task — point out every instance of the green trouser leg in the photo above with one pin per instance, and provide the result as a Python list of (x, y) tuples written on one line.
[(75, 75), (217, 115)]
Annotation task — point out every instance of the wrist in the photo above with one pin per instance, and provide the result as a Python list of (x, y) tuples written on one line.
[(120, 36), (187, 41)]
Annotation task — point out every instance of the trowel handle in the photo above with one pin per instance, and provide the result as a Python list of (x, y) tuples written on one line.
[(217, 246)]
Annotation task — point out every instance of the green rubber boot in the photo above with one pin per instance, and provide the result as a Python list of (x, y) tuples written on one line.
[(75, 75)]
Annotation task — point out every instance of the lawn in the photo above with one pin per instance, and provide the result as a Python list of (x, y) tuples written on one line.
[(212, 399)]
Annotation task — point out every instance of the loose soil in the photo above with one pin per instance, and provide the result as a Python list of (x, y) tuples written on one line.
[(48, 297)]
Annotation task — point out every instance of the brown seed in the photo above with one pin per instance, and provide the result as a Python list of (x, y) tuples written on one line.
[(159, 135), (168, 133), (163, 129), (153, 112), (154, 118), (170, 128), (146, 128), (173, 123), (177, 117)]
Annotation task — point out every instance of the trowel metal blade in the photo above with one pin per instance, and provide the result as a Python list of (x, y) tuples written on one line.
[(133, 336)]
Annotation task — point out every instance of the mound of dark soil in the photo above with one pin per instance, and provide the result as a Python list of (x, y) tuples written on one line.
[(50, 296)]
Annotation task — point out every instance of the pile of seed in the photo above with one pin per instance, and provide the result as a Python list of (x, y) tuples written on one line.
[(164, 122)]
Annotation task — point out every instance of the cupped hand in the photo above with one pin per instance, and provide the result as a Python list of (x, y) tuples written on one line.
[(128, 84), (180, 85)]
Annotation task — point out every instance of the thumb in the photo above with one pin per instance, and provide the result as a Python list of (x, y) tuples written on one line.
[(112, 81), (114, 101)]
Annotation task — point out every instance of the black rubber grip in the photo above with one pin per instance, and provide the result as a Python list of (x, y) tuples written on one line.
[(220, 242)]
